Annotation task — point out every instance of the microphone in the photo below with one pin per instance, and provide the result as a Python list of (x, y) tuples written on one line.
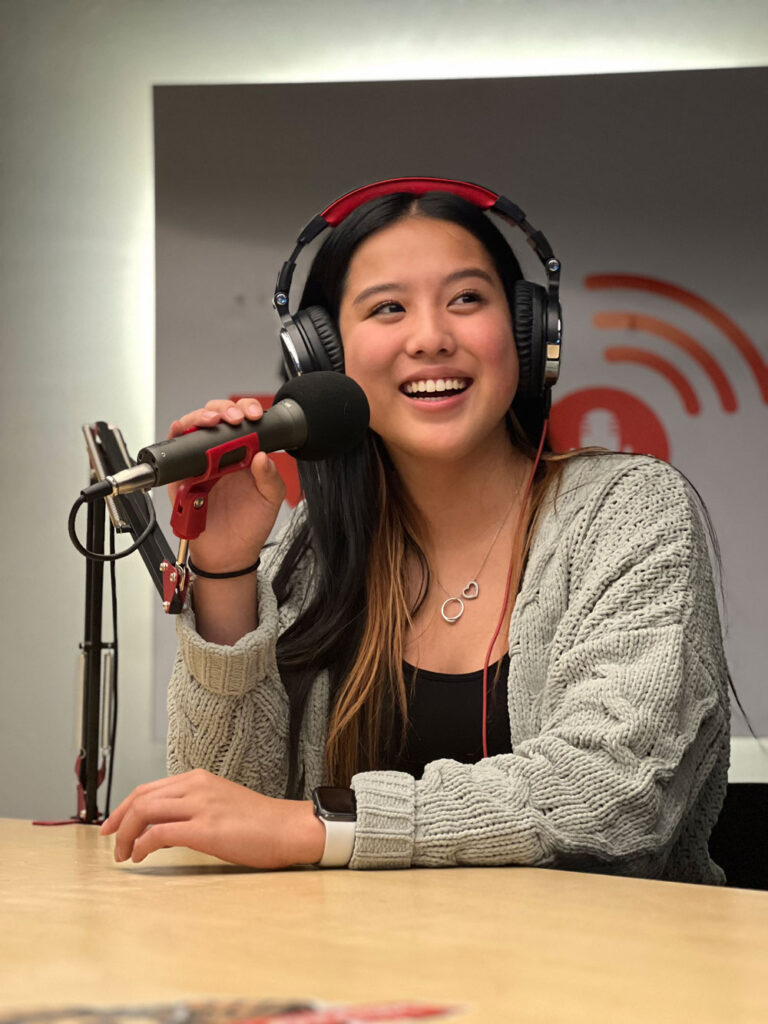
[(314, 416)]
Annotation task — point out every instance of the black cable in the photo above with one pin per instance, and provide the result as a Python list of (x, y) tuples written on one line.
[(95, 556)]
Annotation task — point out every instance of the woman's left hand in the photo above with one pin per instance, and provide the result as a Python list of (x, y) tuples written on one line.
[(212, 815)]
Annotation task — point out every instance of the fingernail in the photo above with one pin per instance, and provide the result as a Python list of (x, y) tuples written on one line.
[(254, 409), (233, 414), (209, 415)]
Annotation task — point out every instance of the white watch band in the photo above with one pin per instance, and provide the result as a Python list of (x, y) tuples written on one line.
[(339, 841)]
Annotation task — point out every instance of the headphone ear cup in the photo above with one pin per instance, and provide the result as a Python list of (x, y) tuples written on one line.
[(528, 326), (320, 339)]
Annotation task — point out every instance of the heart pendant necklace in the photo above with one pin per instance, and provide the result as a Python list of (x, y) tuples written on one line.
[(453, 607)]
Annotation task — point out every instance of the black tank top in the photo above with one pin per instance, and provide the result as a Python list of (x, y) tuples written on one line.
[(445, 713)]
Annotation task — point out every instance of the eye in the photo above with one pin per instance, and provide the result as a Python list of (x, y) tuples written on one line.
[(388, 308), (467, 297)]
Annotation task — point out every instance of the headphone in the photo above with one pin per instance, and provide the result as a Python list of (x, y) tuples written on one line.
[(310, 340)]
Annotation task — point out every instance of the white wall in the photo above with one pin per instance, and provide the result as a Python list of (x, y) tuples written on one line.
[(76, 264)]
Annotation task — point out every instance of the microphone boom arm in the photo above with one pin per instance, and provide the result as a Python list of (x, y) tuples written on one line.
[(128, 510), (129, 514)]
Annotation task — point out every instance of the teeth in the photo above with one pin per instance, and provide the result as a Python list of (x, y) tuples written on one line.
[(418, 387)]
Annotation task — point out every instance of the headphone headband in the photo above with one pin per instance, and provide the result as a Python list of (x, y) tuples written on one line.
[(342, 207), (481, 197)]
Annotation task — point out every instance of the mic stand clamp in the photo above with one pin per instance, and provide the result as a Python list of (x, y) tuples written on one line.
[(190, 511), (176, 578)]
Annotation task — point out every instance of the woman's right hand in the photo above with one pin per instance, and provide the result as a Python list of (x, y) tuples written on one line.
[(242, 506)]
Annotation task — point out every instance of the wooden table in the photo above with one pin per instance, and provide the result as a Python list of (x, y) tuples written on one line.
[(507, 944)]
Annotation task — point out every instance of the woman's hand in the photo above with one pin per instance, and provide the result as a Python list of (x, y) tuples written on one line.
[(243, 506), (212, 815)]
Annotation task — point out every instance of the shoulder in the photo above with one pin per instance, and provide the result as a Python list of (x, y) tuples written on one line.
[(613, 486), (617, 506), (627, 534), (586, 478)]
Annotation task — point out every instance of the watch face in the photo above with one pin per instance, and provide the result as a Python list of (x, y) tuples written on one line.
[(335, 803)]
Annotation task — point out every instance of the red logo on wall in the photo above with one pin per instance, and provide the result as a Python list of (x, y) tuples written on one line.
[(618, 419), (609, 417)]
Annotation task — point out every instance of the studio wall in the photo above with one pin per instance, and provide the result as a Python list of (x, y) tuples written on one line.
[(77, 264)]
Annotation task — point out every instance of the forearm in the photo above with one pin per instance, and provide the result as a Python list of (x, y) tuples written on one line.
[(225, 610)]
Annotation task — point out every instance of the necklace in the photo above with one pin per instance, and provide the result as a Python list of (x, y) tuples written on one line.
[(472, 590)]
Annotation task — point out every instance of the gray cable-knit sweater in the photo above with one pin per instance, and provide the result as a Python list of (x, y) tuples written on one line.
[(617, 696)]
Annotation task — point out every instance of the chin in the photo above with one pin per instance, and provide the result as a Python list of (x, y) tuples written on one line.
[(442, 450), (447, 442)]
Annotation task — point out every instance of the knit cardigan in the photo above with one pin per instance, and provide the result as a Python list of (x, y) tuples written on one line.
[(617, 697)]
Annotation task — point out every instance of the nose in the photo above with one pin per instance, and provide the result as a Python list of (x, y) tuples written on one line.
[(430, 335)]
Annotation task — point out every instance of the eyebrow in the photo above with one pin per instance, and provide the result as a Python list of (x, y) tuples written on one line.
[(391, 286)]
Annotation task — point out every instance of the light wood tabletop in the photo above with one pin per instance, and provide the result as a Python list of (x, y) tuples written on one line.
[(504, 944)]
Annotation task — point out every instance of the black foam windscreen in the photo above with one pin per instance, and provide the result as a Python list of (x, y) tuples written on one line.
[(336, 411)]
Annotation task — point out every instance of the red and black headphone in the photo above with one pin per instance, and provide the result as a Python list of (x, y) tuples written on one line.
[(310, 339)]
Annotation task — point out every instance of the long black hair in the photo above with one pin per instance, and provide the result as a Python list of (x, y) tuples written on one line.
[(342, 494)]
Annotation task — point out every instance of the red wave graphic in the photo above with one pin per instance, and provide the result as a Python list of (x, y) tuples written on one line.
[(699, 305), (627, 354), (625, 320)]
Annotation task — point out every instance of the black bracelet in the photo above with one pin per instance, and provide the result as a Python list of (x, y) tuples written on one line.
[(222, 575)]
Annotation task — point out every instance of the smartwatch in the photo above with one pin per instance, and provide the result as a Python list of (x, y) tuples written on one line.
[(337, 810)]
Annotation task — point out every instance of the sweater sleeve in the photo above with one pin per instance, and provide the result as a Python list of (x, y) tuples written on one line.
[(227, 706), (632, 711)]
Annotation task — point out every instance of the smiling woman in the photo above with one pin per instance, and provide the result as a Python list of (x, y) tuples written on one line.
[(443, 330), (493, 654)]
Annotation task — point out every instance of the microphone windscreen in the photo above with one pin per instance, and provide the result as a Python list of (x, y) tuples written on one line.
[(336, 411)]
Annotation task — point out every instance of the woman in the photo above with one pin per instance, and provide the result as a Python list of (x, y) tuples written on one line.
[(445, 592)]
